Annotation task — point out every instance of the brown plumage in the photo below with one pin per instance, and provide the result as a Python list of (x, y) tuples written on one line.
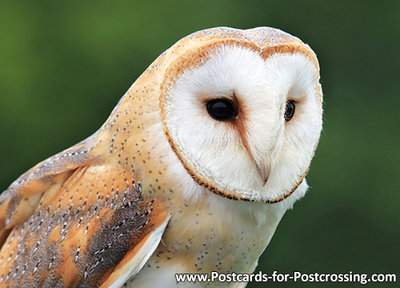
[(85, 219)]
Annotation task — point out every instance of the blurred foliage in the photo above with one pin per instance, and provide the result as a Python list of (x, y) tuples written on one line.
[(65, 64)]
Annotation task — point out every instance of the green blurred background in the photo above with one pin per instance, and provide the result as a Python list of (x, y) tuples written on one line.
[(65, 64)]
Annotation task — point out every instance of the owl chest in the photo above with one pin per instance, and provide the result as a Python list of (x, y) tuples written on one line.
[(206, 238)]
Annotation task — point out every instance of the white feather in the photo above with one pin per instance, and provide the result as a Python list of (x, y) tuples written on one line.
[(214, 149)]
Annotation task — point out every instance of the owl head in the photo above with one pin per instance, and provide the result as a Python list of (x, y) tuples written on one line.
[(242, 110)]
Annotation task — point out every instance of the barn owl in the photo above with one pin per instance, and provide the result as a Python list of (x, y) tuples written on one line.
[(191, 173)]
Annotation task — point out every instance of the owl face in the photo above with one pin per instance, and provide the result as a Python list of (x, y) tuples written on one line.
[(244, 122)]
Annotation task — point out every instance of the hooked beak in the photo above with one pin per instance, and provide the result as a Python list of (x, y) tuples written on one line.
[(263, 170)]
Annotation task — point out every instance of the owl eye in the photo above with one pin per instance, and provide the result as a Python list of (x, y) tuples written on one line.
[(221, 109), (289, 112)]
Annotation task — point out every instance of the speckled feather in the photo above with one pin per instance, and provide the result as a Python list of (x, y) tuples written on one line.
[(81, 229), (76, 219)]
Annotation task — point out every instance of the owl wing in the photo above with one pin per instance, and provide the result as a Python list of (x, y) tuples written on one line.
[(21, 199), (74, 220)]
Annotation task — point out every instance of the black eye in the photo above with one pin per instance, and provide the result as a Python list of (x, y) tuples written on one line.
[(221, 109), (289, 112)]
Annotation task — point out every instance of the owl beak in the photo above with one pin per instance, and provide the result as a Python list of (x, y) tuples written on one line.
[(264, 170)]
